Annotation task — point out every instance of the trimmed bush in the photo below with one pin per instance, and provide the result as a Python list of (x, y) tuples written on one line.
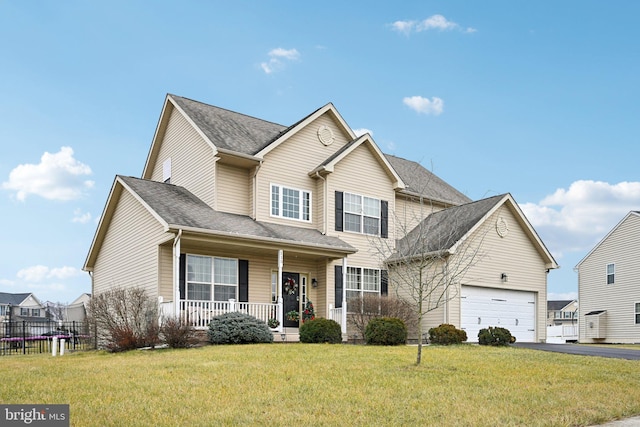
[(238, 328), (447, 334), (495, 336), (386, 331), (321, 330), (177, 334)]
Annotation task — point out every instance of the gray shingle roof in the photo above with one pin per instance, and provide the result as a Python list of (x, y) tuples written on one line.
[(558, 304), (181, 208), (13, 299), (419, 180), (230, 130), (442, 230), (248, 135)]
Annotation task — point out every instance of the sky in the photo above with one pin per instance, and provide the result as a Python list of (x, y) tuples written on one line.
[(536, 99)]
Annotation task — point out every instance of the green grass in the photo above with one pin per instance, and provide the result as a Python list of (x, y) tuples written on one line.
[(327, 385)]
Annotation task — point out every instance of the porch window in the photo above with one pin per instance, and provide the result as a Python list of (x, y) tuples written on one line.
[(638, 313), (361, 281), (290, 203), (611, 270), (361, 214), (205, 274), (274, 286)]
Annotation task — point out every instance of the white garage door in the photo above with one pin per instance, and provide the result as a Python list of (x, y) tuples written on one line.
[(484, 307)]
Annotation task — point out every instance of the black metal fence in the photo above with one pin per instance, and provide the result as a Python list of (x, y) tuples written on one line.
[(27, 337)]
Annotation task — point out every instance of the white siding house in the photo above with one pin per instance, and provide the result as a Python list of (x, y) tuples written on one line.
[(609, 286)]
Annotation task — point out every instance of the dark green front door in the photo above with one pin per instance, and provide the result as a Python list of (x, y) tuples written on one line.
[(291, 298)]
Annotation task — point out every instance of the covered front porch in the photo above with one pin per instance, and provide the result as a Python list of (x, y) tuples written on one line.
[(265, 282)]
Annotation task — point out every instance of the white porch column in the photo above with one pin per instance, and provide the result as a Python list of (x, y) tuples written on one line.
[(176, 274), (279, 290), (344, 296)]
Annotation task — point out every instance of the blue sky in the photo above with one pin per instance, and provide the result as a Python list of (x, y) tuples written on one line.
[(537, 99)]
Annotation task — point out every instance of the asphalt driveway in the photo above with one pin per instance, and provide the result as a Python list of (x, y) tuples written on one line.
[(584, 350)]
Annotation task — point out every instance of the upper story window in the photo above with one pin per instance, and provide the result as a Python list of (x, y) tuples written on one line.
[(4, 310), (638, 313), (361, 214), (611, 273), (211, 279), (24, 311), (290, 203), (35, 312)]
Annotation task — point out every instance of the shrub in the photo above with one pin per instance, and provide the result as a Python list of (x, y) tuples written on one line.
[(321, 330), (495, 336), (372, 306), (238, 328), (447, 334), (124, 319), (177, 334), (386, 331)]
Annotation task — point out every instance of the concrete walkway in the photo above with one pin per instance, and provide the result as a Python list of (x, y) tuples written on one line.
[(627, 422)]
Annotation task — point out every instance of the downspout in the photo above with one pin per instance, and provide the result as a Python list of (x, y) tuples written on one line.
[(255, 190), (325, 203), (176, 273), (344, 297)]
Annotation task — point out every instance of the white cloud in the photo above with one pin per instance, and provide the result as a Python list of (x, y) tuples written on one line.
[(39, 273), (80, 217), (422, 105), (6, 282), (575, 219), (434, 22), (555, 296), (277, 58), (362, 131), (437, 22), (58, 176)]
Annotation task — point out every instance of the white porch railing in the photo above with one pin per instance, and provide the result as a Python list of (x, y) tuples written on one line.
[(335, 314), (199, 313), (562, 333)]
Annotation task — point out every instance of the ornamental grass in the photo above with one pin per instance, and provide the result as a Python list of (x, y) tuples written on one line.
[(326, 385)]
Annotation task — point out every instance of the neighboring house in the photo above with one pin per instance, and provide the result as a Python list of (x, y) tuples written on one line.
[(562, 312), (237, 213), (608, 286), (23, 306), (76, 311)]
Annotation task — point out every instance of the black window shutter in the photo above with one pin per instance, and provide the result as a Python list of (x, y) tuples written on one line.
[(339, 211), (384, 219), (182, 275), (384, 282), (243, 280), (339, 287)]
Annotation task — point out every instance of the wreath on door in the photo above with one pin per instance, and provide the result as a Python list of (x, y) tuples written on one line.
[(290, 286)]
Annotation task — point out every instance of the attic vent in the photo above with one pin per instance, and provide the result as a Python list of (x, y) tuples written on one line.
[(502, 228), (325, 135)]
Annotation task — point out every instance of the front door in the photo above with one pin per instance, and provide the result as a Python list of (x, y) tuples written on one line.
[(291, 298)]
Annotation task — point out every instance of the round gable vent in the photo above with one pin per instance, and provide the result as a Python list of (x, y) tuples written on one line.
[(325, 135), (502, 228)]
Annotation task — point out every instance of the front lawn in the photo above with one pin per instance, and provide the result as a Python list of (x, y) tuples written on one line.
[(321, 384)]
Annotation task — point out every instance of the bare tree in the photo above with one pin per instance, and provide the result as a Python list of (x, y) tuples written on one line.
[(431, 255)]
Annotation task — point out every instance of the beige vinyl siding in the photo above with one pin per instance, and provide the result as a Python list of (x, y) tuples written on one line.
[(409, 212), (620, 247), (192, 159), (360, 173), (129, 253), (165, 272), (289, 164), (234, 184), (514, 255)]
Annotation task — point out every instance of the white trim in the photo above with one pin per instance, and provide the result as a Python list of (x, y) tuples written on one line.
[(301, 203)]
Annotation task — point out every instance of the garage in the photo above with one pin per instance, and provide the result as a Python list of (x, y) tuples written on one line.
[(484, 307)]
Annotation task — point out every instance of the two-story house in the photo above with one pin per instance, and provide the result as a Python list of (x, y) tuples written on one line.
[(237, 213), (608, 289), (562, 312), (21, 306)]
